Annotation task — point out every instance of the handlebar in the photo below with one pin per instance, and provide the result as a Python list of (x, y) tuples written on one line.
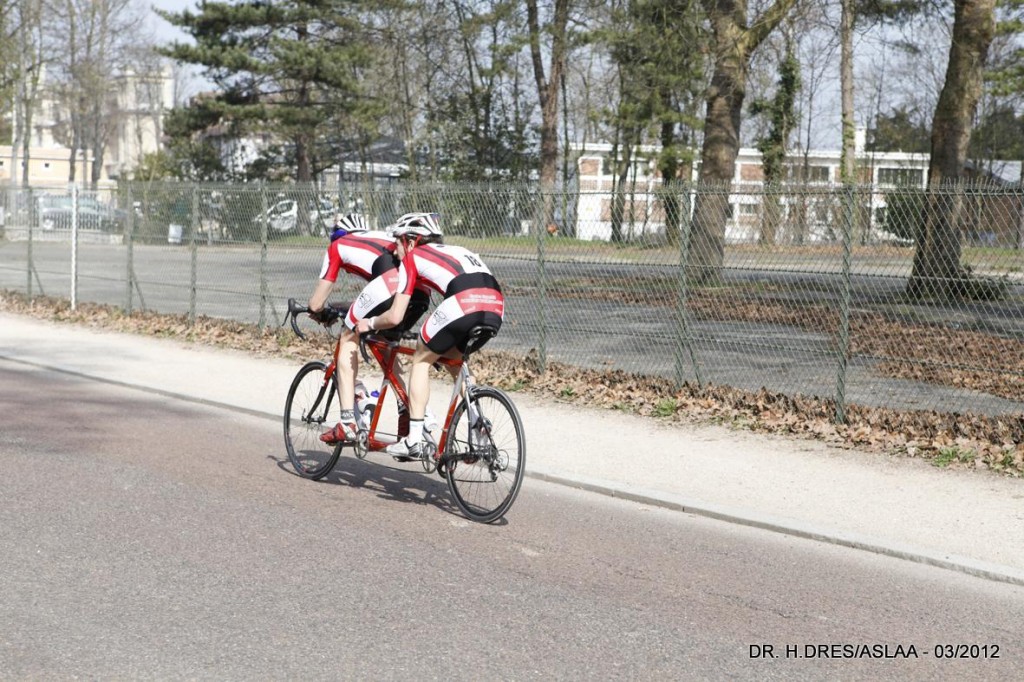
[(294, 310), (331, 313)]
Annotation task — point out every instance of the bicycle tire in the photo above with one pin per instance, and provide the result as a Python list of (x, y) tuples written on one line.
[(485, 480), (310, 409)]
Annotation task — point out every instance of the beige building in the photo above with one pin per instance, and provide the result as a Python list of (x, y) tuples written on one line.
[(137, 106), (49, 167)]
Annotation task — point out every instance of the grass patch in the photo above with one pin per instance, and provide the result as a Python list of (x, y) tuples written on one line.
[(666, 407), (952, 455)]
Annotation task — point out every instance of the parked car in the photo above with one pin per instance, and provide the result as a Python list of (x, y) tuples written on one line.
[(282, 217), (55, 213)]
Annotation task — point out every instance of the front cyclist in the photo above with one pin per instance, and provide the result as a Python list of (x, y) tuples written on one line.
[(472, 296), (369, 255)]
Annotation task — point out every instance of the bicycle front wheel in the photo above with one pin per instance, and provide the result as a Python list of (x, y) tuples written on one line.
[(310, 409), (485, 456)]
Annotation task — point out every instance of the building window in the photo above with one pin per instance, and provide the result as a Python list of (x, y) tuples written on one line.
[(638, 168), (900, 177), (147, 96), (799, 173), (46, 164)]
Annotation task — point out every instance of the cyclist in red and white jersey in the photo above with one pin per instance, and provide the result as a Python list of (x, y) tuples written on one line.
[(472, 296), (369, 255)]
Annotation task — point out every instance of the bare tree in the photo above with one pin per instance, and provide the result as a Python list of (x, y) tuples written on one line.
[(26, 66), (91, 42)]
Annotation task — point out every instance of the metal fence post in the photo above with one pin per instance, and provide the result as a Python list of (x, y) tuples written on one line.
[(129, 230), (31, 216), (542, 352), (849, 199), (194, 248), (263, 256), (74, 246), (683, 340)]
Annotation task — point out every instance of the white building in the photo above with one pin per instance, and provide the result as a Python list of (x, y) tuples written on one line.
[(644, 214)]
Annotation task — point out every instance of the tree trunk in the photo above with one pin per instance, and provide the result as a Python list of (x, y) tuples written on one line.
[(937, 270), (734, 44), (847, 162), (771, 214), (547, 89), (618, 215), (669, 169), (718, 163), (76, 144), (99, 145)]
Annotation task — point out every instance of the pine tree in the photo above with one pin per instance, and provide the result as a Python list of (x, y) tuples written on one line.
[(290, 68)]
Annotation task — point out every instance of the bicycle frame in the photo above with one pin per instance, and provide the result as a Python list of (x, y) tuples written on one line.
[(386, 355)]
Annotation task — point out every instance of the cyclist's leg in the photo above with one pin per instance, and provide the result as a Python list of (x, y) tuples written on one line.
[(419, 380), (439, 336), (348, 367), (373, 299)]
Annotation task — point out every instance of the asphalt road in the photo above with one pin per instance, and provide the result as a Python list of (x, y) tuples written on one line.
[(588, 332), (146, 538)]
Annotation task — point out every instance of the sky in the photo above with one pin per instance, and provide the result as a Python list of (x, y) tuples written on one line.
[(191, 82), (166, 33)]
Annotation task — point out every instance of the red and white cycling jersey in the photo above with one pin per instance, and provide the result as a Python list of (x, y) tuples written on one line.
[(356, 253), (436, 266), (454, 272)]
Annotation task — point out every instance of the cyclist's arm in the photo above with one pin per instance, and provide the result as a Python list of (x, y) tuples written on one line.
[(392, 318), (320, 294)]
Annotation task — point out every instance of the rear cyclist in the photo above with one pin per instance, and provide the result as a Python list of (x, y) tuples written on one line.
[(472, 296), (369, 255)]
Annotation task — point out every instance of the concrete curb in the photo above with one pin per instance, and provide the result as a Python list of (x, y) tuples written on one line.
[(655, 498), (953, 562)]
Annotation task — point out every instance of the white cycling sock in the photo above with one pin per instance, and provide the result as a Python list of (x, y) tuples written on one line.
[(415, 431)]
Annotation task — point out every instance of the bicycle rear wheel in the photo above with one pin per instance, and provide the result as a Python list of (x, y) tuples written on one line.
[(310, 409), (485, 456)]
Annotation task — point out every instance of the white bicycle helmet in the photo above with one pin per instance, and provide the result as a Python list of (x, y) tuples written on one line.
[(418, 224), (350, 222)]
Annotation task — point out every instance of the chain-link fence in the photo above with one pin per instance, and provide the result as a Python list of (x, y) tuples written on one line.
[(813, 290)]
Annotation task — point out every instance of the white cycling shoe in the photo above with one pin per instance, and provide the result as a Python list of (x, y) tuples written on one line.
[(404, 451)]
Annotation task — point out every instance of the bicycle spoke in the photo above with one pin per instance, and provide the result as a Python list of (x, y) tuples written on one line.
[(486, 455), (310, 409)]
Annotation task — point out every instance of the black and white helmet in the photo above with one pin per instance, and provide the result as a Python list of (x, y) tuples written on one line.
[(417, 224), (350, 222)]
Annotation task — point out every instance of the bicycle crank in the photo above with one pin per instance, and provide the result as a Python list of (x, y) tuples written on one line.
[(362, 444)]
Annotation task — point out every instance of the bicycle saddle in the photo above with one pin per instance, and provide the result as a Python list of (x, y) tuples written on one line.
[(478, 336)]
